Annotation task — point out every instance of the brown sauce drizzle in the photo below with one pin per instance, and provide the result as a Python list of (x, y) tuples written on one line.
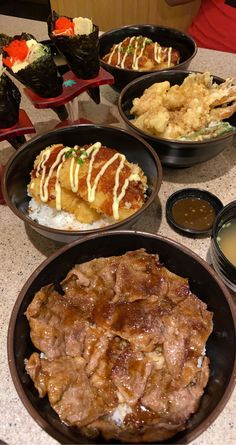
[(193, 213)]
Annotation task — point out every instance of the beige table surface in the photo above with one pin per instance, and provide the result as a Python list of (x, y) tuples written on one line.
[(22, 250)]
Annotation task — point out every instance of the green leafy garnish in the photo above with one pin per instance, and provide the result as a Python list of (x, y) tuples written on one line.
[(73, 152), (130, 50), (80, 161), (69, 153)]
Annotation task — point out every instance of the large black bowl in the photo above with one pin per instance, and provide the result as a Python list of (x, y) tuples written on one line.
[(221, 345), (172, 153), (17, 172), (164, 36)]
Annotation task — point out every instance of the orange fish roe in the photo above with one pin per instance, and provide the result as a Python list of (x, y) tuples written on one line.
[(63, 23), (16, 50)]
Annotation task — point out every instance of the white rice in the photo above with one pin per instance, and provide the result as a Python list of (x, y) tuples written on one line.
[(120, 412), (62, 220)]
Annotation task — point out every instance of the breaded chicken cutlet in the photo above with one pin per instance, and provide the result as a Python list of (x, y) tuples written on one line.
[(88, 182)]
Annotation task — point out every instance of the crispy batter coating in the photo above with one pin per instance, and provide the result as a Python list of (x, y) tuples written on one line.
[(173, 112), (88, 182)]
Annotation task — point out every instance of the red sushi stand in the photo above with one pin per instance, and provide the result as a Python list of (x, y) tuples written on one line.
[(72, 88), (15, 134)]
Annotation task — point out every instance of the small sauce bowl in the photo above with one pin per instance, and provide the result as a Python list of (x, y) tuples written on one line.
[(222, 265), (192, 211)]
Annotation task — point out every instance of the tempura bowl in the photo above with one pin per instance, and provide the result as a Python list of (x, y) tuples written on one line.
[(17, 172), (204, 282), (163, 35), (172, 153)]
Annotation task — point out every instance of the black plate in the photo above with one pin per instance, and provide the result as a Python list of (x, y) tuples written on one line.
[(191, 193), (221, 346), (164, 36), (172, 153)]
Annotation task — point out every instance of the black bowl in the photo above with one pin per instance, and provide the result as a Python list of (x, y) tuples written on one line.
[(204, 282), (221, 264), (172, 153), (17, 172), (164, 36)]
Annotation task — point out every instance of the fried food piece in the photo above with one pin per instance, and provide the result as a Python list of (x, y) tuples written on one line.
[(70, 202), (181, 110), (142, 54), (88, 181)]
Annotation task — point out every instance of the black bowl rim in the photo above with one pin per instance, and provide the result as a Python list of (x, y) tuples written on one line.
[(191, 192), (215, 232), (10, 335), (70, 233), (174, 30), (196, 144)]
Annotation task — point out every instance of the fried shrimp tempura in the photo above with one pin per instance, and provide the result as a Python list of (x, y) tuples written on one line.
[(180, 110)]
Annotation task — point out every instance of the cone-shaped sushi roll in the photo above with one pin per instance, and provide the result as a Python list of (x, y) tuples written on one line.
[(77, 39), (9, 100), (32, 64), (4, 41)]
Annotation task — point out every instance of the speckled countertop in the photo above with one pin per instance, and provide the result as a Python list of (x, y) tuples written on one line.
[(22, 249)]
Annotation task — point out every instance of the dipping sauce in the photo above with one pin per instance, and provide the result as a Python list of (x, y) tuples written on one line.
[(226, 239), (193, 213)]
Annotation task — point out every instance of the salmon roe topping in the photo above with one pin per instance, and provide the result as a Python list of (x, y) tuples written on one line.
[(64, 23), (17, 50)]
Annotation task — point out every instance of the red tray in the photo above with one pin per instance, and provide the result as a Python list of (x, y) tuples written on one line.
[(72, 87), (23, 126)]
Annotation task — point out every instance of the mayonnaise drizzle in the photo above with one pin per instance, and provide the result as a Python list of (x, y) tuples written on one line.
[(45, 181), (169, 56), (122, 65), (112, 54), (135, 61), (136, 56), (119, 53), (74, 175), (135, 52), (92, 189), (58, 185), (157, 53)]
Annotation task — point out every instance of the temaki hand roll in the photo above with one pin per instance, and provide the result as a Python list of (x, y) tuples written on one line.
[(4, 41), (32, 64), (9, 100), (77, 39)]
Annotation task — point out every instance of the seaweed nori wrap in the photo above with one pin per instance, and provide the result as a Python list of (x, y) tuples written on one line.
[(41, 74), (80, 51), (10, 98), (4, 41)]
